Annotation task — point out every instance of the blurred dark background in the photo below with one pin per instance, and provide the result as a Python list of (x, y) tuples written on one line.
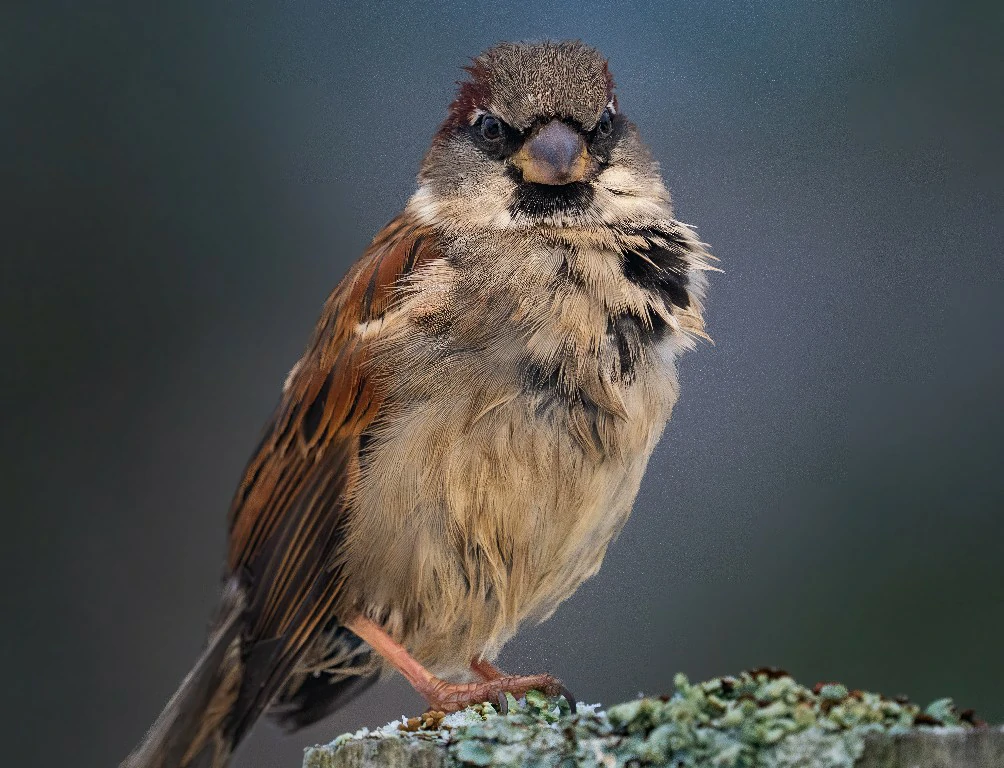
[(182, 184)]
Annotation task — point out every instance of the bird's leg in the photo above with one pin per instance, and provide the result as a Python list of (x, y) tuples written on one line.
[(486, 670), (445, 696)]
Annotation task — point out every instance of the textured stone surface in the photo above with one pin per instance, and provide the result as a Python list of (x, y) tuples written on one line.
[(975, 748), (758, 719)]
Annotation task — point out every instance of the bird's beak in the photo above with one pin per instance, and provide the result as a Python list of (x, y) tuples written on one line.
[(554, 154)]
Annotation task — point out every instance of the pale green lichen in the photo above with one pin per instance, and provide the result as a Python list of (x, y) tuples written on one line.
[(758, 719)]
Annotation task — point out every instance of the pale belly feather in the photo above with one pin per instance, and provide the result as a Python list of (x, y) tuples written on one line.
[(483, 500), (465, 530)]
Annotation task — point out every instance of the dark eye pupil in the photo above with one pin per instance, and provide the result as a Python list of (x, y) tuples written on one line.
[(606, 124), (490, 127)]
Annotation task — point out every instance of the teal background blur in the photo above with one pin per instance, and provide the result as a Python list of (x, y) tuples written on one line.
[(182, 183)]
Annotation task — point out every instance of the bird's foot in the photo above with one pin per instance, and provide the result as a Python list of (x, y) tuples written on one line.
[(452, 697)]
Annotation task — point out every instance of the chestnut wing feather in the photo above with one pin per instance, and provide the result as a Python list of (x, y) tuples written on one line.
[(288, 515)]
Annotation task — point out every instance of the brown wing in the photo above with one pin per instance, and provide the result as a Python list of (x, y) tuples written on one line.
[(287, 518)]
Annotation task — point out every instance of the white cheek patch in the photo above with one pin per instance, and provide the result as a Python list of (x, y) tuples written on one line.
[(618, 177)]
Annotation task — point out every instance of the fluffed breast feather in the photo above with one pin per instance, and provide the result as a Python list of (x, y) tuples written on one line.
[(288, 514), (558, 321)]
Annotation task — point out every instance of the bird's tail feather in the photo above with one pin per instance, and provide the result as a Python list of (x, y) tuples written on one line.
[(191, 731), (339, 668)]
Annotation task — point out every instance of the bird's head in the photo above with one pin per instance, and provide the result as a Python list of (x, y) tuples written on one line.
[(535, 138)]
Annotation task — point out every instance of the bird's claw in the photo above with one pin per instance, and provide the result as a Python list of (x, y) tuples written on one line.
[(503, 700), (572, 704)]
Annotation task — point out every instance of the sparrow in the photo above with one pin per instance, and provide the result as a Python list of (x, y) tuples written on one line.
[(469, 425)]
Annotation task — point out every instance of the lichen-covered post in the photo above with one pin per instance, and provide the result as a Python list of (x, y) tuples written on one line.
[(758, 719)]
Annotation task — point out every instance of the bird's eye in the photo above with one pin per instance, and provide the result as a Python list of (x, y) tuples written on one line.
[(491, 128), (606, 124)]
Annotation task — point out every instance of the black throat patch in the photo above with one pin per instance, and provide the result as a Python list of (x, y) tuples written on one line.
[(540, 201)]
